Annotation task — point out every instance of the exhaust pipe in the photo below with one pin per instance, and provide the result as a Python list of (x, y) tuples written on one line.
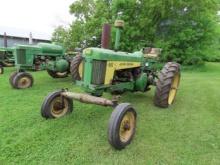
[(106, 36)]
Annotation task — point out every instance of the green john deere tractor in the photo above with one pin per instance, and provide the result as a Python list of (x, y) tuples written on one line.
[(43, 56), (6, 58), (100, 70)]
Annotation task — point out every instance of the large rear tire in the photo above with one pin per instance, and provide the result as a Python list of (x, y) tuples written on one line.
[(122, 125), (22, 80), (76, 68), (55, 74), (167, 85), (56, 106)]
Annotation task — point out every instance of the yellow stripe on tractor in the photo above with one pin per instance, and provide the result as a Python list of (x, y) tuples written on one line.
[(112, 66)]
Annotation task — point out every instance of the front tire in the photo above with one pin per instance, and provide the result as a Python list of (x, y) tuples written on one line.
[(56, 106), (167, 85), (22, 80), (122, 125)]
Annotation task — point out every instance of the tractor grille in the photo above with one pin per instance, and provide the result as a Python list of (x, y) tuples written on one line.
[(98, 72), (21, 56)]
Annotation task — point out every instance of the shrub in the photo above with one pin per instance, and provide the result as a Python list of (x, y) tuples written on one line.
[(195, 60)]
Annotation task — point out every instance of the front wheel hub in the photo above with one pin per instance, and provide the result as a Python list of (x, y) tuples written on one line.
[(59, 107), (24, 82), (127, 126)]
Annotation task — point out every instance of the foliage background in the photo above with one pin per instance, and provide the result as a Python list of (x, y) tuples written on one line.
[(188, 30)]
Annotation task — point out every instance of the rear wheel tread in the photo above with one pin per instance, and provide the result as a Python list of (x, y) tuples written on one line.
[(164, 83), (74, 68)]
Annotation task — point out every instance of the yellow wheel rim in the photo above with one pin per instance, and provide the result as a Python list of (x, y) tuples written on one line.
[(81, 69), (173, 89), (127, 127), (24, 82), (58, 108)]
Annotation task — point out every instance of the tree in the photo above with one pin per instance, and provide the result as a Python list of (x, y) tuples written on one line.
[(183, 29), (62, 37)]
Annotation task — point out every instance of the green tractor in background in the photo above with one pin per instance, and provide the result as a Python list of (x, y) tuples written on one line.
[(100, 70), (43, 56), (6, 58)]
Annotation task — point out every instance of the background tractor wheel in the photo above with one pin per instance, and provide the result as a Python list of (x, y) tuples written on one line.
[(11, 78), (55, 74), (22, 80), (122, 125), (167, 85), (1, 69), (76, 68), (56, 106)]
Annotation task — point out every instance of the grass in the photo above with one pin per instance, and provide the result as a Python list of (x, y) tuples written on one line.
[(186, 133)]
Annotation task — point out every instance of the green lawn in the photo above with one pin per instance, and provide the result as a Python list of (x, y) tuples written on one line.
[(186, 133)]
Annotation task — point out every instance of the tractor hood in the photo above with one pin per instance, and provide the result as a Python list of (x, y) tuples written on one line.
[(106, 54)]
